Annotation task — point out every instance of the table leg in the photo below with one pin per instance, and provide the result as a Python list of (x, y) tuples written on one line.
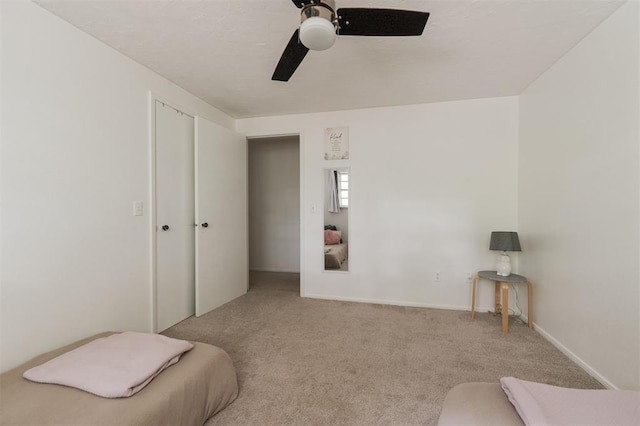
[(530, 303), (496, 308), (474, 282), (505, 308)]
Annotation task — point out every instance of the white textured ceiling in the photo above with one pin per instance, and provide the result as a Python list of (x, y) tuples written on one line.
[(225, 51)]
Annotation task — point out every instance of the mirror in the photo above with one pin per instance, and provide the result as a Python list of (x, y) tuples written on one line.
[(336, 219)]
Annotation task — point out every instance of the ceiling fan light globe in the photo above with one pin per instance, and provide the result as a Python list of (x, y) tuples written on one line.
[(317, 33)]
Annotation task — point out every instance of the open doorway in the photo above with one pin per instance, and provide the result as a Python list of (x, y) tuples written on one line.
[(274, 213)]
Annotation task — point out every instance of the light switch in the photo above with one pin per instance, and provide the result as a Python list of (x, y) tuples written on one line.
[(137, 208), (314, 208)]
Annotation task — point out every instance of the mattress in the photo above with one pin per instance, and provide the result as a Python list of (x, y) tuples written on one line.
[(478, 404), (201, 384), (334, 255)]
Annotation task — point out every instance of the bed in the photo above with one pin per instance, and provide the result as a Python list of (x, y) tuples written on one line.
[(480, 404), (335, 255), (201, 384), (335, 249), (520, 402)]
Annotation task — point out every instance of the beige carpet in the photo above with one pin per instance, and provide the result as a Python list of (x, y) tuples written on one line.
[(316, 362)]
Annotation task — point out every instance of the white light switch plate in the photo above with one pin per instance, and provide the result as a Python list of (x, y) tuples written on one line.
[(137, 208)]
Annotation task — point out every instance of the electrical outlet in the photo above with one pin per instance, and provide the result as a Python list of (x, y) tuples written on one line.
[(437, 276)]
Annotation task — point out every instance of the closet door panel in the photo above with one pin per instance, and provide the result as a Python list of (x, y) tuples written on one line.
[(175, 270), (221, 215)]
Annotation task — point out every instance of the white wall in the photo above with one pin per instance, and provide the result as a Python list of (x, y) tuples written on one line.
[(274, 204), (429, 184), (75, 155), (579, 200)]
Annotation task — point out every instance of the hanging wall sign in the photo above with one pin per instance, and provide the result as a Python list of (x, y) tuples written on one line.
[(336, 143)]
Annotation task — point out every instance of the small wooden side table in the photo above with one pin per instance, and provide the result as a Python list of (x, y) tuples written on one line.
[(502, 283)]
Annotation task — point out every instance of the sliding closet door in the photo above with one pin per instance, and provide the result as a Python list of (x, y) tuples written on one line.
[(221, 215), (175, 231)]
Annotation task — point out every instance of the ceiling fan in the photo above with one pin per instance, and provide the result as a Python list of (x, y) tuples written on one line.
[(321, 23)]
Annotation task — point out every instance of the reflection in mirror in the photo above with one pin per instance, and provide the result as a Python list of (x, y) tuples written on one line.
[(336, 219)]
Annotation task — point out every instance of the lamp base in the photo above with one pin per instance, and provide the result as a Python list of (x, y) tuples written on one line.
[(503, 268)]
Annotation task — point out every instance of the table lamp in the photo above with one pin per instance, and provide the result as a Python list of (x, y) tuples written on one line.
[(505, 241)]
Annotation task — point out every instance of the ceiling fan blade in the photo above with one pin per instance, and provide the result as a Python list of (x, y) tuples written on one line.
[(381, 22), (292, 56)]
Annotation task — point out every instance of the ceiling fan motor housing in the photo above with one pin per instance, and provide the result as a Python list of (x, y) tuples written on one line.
[(318, 25), (325, 9)]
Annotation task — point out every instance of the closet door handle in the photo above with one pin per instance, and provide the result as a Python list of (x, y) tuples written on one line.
[(205, 225), (165, 227)]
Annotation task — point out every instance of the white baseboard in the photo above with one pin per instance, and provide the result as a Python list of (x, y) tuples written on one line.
[(292, 271), (575, 358), (387, 302)]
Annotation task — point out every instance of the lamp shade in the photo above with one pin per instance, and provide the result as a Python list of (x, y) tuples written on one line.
[(505, 241)]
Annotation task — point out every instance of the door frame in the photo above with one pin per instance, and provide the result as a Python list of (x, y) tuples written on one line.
[(153, 244), (301, 148)]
